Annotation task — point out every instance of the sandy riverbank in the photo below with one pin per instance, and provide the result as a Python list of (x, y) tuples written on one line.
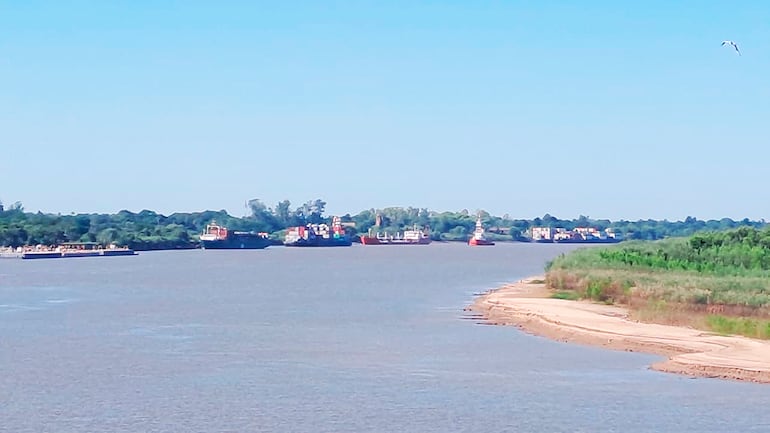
[(526, 304)]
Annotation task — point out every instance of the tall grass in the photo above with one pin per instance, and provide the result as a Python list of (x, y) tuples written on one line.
[(586, 270), (749, 327), (670, 282)]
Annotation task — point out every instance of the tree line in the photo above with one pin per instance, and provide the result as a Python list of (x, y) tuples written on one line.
[(147, 229)]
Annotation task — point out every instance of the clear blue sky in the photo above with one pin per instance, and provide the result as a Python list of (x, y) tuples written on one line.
[(604, 108)]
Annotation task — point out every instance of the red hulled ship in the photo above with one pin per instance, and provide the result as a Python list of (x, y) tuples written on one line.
[(478, 238)]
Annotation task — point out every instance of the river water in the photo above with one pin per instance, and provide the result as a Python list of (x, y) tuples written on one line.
[(359, 339)]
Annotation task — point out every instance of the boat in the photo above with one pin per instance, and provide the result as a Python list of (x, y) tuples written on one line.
[(408, 237), (216, 237), (478, 238), (586, 235), (42, 255), (318, 235), (73, 249), (586, 240)]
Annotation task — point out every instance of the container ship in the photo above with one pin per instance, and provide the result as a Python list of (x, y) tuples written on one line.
[(317, 235), (478, 238), (408, 237), (216, 237)]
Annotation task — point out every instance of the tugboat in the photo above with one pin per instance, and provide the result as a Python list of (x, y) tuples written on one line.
[(216, 237), (317, 235), (478, 238)]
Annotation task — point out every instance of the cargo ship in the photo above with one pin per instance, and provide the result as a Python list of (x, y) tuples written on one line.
[(216, 237), (478, 238), (317, 235), (408, 237)]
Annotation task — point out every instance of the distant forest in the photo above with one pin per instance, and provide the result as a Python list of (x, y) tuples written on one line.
[(148, 230)]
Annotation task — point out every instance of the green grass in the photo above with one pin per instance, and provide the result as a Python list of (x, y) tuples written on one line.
[(746, 326), (570, 296)]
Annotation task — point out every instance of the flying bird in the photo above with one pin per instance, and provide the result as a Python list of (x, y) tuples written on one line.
[(734, 45)]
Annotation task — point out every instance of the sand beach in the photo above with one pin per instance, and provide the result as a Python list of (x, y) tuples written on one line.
[(527, 304)]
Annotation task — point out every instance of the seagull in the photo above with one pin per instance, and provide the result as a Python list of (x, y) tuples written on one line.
[(734, 45)]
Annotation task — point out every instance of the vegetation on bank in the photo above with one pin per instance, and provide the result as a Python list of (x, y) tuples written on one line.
[(713, 280), (150, 230)]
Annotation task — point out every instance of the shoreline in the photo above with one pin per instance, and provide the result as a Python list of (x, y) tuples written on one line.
[(527, 305)]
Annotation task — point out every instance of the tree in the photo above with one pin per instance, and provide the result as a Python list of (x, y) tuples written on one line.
[(364, 220), (262, 216), (108, 236), (282, 213), (423, 217), (583, 221), (311, 212), (256, 206)]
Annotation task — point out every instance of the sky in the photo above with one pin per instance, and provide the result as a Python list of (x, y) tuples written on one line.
[(617, 110)]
